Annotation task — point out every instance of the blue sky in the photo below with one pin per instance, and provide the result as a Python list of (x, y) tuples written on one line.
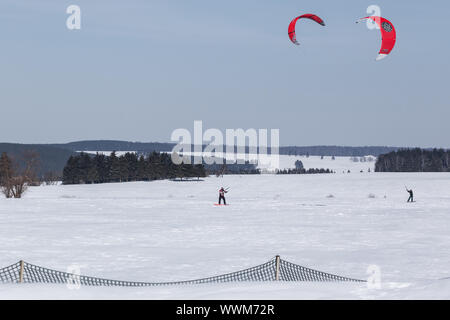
[(137, 70)]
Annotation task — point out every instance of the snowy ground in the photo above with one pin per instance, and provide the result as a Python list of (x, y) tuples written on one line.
[(164, 231)]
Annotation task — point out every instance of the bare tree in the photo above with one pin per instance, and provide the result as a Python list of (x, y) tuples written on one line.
[(15, 180), (6, 173), (19, 185), (32, 161)]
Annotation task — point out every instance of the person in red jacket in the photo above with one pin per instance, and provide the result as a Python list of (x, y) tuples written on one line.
[(222, 192)]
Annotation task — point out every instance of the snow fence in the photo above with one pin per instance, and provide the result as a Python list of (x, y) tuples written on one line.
[(273, 270)]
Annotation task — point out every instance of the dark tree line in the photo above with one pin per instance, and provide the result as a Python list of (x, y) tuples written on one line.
[(414, 160), (84, 168), (147, 147), (233, 168), (335, 151), (304, 171)]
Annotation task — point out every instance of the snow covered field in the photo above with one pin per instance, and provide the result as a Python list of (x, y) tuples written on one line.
[(164, 231)]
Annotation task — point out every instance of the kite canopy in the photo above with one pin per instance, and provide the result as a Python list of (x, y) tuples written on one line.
[(388, 35), (293, 23)]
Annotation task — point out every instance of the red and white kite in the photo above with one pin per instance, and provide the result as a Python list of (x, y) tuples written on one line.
[(291, 30), (388, 35)]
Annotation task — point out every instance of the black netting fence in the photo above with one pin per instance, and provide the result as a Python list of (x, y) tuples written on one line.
[(273, 270), (10, 273)]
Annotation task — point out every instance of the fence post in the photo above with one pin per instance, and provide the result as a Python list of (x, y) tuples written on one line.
[(277, 268), (21, 271)]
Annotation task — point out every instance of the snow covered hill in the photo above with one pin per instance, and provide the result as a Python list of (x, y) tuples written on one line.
[(165, 230)]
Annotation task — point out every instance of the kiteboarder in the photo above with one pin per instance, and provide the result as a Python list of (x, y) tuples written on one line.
[(222, 192), (411, 195)]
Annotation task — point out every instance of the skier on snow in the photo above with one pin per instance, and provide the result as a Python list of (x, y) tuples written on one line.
[(222, 192), (411, 195)]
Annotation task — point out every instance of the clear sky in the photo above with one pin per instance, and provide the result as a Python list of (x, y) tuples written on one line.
[(138, 69)]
